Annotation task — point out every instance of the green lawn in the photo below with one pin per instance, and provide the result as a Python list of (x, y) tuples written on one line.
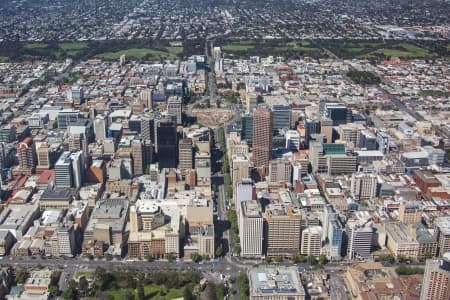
[(73, 46), (175, 50), (237, 47), (88, 275), (36, 45), (404, 50), (152, 292), (140, 53)]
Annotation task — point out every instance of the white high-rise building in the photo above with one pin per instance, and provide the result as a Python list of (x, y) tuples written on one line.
[(251, 229), (360, 235), (311, 241), (363, 186), (292, 140), (100, 125)]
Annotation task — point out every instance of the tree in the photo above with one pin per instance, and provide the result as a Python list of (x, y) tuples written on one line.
[(428, 255), (53, 291), (70, 293), (127, 295), (219, 251), (187, 293), (21, 276), (323, 259), (140, 291), (278, 259), (268, 259), (83, 286), (311, 260), (220, 291), (243, 286), (196, 257)]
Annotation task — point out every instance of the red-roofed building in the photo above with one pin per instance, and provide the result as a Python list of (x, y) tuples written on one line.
[(46, 177)]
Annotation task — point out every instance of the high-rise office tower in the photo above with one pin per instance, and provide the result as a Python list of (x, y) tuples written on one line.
[(185, 156), (360, 236), (251, 101), (100, 125), (281, 117), (239, 170), (167, 144), (3, 150), (436, 280), (68, 117), (251, 229), (216, 53), (311, 244), (262, 138), (26, 152), (337, 112), (442, 234), (383, 140), (148, 127), (292, 140), (247, 128), (8, 133), (148, 155), (135, 124), (69, 170), (174, 108), (326, 128), (76, 95), (137, 148), (244, 192), (280, 170), (283, 230), (43, 156), (363, 186), (367, 140), (146, 97)]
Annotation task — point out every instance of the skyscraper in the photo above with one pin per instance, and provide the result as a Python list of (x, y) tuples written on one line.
[(262, 138), (281, 117), (247, 128), (283, 230), (100, 124), (239, 171), (436, 280), (26, 152), (360, 235), (174, 108), (186, 155), (311, 244), (167, 144), (138, 157), (69, 170), (251, 229), (363, 186), (148, 127), (146, 96)]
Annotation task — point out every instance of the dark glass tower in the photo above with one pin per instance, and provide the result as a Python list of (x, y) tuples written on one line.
[(167, 144)]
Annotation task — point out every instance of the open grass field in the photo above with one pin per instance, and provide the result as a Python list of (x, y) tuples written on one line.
[(141, 53), (73, 46), (377, 49), (88, 275), (237, 47), (36, 45), (287, 49), (152, 292), (404, 51)]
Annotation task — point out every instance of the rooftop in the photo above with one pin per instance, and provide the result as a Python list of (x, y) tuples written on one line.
[(273, 280)]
